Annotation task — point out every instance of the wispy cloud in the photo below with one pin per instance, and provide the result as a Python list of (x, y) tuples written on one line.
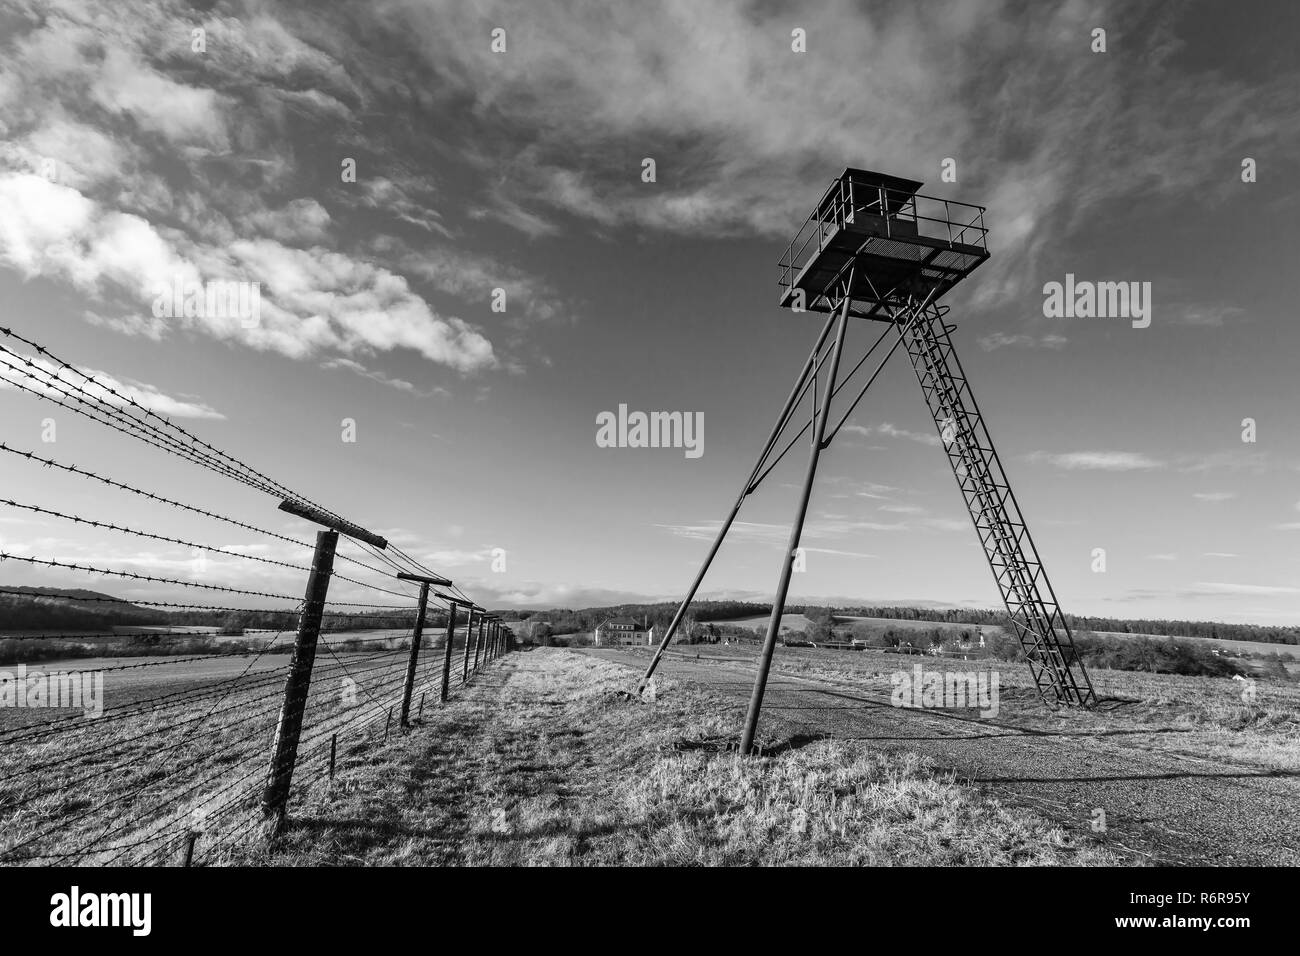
[(391, 382), (1096, 460), (1219, 587), (1214, 495), (1002, 340), (1244, 460), (58, 382), (892, 431)]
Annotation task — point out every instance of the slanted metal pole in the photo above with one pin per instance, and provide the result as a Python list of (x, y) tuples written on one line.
[(416, 636), (446, 654), (782, 420), (288, 728), (469, 633), (787, 566)]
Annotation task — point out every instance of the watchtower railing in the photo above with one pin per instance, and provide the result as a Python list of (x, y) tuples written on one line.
[(903, 215)]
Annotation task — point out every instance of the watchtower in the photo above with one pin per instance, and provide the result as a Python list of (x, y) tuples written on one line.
[(874, 248)]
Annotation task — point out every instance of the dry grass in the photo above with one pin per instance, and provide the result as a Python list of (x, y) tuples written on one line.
[(1215, 719), (547, 761)]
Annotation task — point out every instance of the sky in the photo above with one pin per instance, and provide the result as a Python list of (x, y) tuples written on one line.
[(501, 147)]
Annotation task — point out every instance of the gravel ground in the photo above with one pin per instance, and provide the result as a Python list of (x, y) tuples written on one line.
[(1161, 806)]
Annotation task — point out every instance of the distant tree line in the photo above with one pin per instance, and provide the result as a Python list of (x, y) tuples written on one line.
[(1164, 627), (569, 621), (59, 609)]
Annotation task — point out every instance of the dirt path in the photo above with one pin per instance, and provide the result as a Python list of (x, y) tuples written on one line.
[(1163, 807)]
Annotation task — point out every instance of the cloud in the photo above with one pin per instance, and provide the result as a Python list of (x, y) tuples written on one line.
[(892, 431), (400, 384), (163, 172), (1206, 316), (313, 300), (1214, 495), (708, 91), (740, 531), (1096, 460), (1000, 340), (105, 388), (298, 221), (1255, 461), (73, 63), (1217, 587), (380, 192), (846, 554), (472, 277), (181, 114)]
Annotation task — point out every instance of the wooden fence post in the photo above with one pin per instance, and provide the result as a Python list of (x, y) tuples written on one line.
[(446, 654), (288, 729), (411, 662)]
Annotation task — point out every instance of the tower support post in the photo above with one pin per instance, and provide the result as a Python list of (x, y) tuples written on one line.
[(796, 530)]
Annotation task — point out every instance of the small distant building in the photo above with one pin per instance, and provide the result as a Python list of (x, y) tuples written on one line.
[(623, 631)]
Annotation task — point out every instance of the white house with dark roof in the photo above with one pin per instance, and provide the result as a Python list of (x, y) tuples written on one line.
[(623, 631)]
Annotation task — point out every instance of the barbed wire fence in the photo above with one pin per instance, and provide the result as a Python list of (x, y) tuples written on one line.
[(221, 713)]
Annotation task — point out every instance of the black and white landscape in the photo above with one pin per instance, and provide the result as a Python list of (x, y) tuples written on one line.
[(394, 469)]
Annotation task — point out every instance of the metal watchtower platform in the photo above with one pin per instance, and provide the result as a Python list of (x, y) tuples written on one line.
[(874, 248), (898, 242)]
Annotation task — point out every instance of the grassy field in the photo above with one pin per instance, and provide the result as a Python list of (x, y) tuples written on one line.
[(1247, 652), (547, 760)]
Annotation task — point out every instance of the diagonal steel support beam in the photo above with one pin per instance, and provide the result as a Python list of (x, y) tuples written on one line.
[(787, 410), (801, 511)]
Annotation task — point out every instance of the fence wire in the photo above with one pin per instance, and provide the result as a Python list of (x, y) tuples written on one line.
[(166, 752)]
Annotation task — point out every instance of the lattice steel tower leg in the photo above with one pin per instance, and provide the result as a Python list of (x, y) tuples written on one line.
[(1058, 671)]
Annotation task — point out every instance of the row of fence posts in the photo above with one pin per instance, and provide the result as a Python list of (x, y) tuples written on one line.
[(485, 631)]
